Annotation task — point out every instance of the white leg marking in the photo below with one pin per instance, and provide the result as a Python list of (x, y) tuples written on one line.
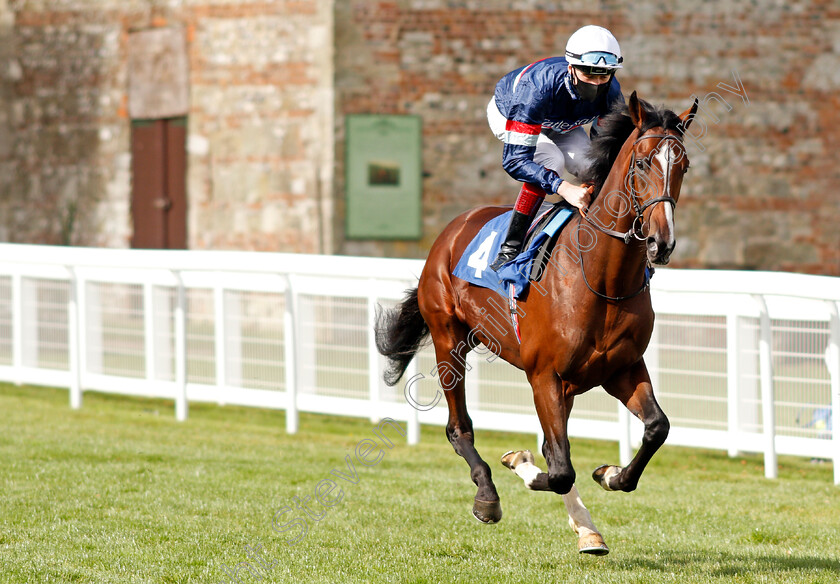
[(611, 472), (579, 518), (528, 472), (590, 540)]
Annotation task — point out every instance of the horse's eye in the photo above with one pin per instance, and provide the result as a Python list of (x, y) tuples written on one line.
[(641, 163)]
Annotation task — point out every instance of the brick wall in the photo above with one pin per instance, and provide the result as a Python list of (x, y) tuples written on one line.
[(261, 126), (62, 163), (271, 81), (764, 191), (260, 121)]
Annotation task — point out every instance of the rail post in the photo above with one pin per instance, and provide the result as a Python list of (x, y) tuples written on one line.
[(373, 357), (290, 358), (73, 351), (149, 339), (733, 376), (181, 404), (625, 438), (834, 374), (16, 304), (768, 407)]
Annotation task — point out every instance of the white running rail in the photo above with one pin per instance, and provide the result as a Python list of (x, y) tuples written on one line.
[(741, 361)]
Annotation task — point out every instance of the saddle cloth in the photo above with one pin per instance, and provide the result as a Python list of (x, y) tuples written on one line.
[(473, 266)]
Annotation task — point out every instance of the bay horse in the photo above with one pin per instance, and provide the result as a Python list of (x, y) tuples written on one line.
[(587, 323)]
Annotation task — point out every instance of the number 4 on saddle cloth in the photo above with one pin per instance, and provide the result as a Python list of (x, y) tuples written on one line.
[(512, 280)]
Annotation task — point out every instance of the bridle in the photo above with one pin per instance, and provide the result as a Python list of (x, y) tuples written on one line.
[(639, 208)]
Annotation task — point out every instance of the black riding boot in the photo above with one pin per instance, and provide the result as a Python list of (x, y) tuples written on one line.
[(514, 239)]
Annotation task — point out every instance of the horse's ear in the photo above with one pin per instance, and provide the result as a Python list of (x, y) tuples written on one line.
[(687, 116), (637, 110)]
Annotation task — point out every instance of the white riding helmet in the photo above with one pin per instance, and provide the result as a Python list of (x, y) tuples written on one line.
[(594, 46)]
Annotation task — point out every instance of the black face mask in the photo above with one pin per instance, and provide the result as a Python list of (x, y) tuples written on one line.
[(590, 91)]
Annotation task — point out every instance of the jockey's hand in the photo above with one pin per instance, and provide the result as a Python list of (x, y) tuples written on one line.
[(579, 197)]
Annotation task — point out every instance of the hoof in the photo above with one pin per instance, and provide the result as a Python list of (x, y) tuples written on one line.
[(511, 459), (603, 475), (593, 544), (487, 511)]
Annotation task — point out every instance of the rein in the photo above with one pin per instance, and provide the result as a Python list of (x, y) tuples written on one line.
[(635, 230)]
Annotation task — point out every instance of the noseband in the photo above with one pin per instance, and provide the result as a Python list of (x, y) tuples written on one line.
[(635, 230)]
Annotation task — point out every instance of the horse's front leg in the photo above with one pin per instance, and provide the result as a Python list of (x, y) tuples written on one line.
[(553, 400), (632, 387), (590, 540)]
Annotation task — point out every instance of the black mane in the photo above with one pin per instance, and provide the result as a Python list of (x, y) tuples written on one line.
[(613, 131)]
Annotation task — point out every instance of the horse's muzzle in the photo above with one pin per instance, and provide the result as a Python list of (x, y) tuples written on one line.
[(659, 251)]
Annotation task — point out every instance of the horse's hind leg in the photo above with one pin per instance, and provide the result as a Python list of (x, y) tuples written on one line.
[(634, 390), (450, 339), (590, 540)]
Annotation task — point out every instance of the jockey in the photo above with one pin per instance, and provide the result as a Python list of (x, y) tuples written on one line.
[(538, 111)]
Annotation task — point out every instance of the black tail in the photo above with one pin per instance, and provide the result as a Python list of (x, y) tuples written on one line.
[(400, 333)]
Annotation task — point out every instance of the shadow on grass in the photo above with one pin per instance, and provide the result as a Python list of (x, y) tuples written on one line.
[(731, 564)]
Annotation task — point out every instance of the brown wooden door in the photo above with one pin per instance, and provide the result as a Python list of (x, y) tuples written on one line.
[(159, 183)]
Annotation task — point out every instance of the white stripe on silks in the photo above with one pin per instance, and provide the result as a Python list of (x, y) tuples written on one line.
[(518, 77), (520, 139)]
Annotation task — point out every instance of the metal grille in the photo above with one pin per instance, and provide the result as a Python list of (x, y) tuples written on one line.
[(802, 386), (254, 334), (44, 323), (163, 332), (596, 404), (687, 363), (332, 346), (498, 386), (114, 330), (201, 335), (426, 390), (749, 380), (6, 321), (50, 348)]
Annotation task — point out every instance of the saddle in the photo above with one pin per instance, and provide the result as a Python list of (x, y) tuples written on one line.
[(545, 215), (513, 278)]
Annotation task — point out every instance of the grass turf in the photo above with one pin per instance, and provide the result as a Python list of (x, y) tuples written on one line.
[(120, 492)]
